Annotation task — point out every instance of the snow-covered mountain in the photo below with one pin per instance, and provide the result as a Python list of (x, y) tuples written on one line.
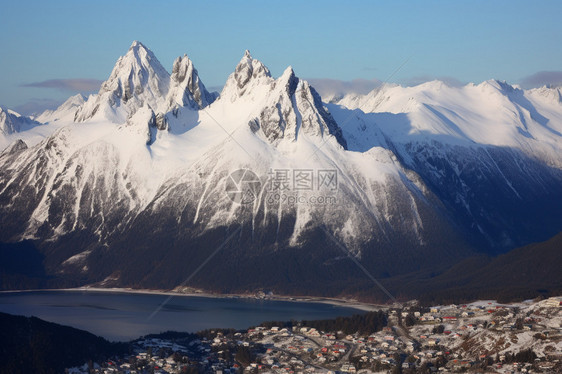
[(139, 80), (186, 89), (12, 122), (491, 152), (65, 112), (492, 113), (139, 184)]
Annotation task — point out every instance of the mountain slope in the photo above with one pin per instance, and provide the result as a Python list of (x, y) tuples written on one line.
[(65, 112), (186, 89), (13, 125), (156, 175), (12, 122), (522, 273), (490, 152), (137, 79), (126, 201), (38, 346)]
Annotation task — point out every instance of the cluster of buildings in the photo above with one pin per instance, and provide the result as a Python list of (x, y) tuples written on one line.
[(479, 337)]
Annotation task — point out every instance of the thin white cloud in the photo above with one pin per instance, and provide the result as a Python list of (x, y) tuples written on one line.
[(542, 78), (78, 85)]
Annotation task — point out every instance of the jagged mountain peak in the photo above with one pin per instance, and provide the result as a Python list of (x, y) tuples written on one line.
[(552, 94), (66, 109), (186, 89), (77, 99), (499, 85), (248, 73), (137, 45), (289, 80), (7, 125), (9, 111), (138, 57), (13, 122), (18, 145), (293, 107), (137, 78)]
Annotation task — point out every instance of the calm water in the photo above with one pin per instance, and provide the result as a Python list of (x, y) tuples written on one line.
[(125, 316)]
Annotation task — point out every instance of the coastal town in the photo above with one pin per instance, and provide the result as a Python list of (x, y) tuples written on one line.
[(483, 336)]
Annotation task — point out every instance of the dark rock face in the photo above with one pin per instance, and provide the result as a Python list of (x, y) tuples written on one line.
[(161, 122), (295, 108), (18, 146), (248, 69)]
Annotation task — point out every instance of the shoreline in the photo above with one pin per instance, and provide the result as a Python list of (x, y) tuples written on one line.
[(354, 304)]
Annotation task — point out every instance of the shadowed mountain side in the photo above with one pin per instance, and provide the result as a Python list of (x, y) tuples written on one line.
[(523, 273), (37, 346), (502, 197)]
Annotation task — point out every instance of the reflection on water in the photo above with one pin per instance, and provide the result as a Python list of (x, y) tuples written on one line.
[(124, 316)]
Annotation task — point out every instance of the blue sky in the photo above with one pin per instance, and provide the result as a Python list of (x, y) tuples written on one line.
[(517, 41)]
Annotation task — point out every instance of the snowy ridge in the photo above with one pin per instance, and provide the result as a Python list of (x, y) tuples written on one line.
[(258, 111), (249, 74), (423, 173), (137, 79), (186, 89), (491, 113), (284, 107), (65, 112), (14, 127), (460, 139), (12, 122)]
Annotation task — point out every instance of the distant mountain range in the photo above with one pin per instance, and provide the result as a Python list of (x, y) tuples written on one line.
[(154, 176)]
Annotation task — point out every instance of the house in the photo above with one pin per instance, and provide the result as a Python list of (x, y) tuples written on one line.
[(314, 332)]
